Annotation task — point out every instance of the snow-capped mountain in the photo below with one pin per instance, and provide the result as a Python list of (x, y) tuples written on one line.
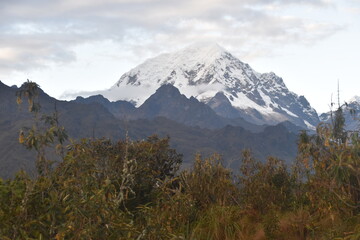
[(355, 99), (209, 73), (351, 111)]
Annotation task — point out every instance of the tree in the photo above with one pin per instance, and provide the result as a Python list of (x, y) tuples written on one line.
[(44, 132), (338, 122)]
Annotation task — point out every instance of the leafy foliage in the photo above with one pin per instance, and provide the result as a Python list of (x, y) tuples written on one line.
[(40, 136)]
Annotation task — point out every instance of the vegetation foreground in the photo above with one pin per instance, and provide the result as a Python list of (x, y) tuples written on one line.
[(135, 190)]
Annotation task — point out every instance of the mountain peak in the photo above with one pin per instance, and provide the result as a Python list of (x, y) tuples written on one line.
[(355, 99), (94, 98), (201, 70), (168, 89)]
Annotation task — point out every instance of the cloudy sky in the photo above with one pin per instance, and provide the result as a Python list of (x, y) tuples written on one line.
[(86, 45)]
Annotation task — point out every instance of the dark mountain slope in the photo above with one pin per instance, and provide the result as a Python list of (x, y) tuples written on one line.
[(94, 120), (168, 102), (228, 141), (80, 120), (119, 109)]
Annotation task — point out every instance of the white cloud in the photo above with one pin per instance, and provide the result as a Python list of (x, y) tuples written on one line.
[(43, 32)]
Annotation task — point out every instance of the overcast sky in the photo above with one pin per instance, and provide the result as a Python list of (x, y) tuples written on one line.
[(86, 45)]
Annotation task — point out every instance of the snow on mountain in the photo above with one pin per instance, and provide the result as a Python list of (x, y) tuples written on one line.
[(351, 112), (355, 99), (202, 71)]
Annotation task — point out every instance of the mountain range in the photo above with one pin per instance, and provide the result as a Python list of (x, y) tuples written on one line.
[(202, 97), (97, 117)]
